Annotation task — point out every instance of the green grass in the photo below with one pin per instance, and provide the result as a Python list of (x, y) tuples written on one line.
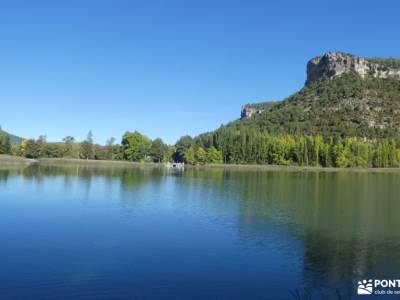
[(15, 160), (94, 163)]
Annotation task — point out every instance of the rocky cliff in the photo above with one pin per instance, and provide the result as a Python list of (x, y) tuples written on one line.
[(344, 95), (250, 110), (333, 64)]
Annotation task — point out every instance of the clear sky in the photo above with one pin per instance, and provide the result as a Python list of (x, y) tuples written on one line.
[(168, 68)]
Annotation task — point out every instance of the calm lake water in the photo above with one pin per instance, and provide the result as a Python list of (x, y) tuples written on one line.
[(146, 233)]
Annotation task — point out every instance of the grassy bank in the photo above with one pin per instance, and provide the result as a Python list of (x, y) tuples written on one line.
[(8, 160), (250, 167), (93, 163), (244, 167)]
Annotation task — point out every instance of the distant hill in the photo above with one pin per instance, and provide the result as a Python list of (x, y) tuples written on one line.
[(344, 95), (13, 138)]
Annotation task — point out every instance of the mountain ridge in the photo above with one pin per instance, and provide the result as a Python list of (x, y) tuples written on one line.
[(344, 95)]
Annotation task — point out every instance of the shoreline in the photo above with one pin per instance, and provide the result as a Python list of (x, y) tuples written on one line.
[(94, 163), (8, 160), (255, 167)]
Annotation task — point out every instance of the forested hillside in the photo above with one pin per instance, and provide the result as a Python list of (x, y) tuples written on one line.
[(13, 138), (345, 106), (349, 116), (7, 141)]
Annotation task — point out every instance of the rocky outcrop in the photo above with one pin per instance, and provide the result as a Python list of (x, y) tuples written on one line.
[(248, 111), (367, 105), (334, 64)]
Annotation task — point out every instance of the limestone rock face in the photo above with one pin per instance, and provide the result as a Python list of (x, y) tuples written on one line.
[(367, 105), (334, 64), (248, 111)]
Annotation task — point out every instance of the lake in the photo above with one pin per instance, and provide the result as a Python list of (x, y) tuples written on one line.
[(78, 232)]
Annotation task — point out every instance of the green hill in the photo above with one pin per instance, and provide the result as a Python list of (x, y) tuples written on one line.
[(347, 114), (344, 106), (13, 138), (344, 96)]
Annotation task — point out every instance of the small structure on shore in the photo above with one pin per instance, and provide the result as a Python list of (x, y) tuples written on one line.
[(176, 166)]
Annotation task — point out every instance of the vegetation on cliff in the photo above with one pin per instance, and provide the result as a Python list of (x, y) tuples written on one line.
[(393, 63), (345, 106)]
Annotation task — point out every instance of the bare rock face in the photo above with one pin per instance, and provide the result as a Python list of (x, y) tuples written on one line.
[(248, 111), (334, 64)]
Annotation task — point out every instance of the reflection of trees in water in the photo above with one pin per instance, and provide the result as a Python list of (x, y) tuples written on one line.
[(267, 204), (346, 221), (129, 179), (352, 234), (7, 172), (4, 174), (352, 204), (137, 183), (209, 193), (211, 179), (126, 180)]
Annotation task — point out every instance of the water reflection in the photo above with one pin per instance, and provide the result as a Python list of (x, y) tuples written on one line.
[(347, 222), (342, 226)]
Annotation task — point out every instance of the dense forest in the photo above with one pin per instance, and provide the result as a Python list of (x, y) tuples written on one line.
[(226, 145), (244, 145)]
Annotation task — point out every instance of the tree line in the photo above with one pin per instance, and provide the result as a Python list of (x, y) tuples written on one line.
[(133, 147), (226, 145), (5, 144), (244, 145)]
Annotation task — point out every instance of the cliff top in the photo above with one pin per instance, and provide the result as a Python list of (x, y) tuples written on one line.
[(333, 64)]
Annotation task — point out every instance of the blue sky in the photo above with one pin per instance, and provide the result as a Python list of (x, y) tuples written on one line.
[(168, 68)]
